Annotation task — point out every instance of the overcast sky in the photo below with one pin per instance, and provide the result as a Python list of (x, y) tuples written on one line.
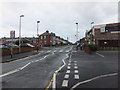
[(57, 17)]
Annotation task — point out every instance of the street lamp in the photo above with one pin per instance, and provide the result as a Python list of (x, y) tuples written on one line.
[(20, 33), (92, 24), (37, 34), (77, 32)]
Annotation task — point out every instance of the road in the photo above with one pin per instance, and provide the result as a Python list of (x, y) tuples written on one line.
[(62, 67), (35, 71), (99, 70)]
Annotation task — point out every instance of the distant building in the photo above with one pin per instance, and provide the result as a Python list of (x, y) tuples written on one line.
[(107, 35), (8, 40)]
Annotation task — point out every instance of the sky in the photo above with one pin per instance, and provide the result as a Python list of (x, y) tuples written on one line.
[(57, 17)]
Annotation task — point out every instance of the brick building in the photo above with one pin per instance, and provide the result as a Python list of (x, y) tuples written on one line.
[(107, 35), (50, 39)]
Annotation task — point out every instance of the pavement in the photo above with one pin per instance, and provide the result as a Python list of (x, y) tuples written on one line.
[(17, 56), (62, 68)]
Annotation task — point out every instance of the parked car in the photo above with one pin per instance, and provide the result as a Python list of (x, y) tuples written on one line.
[(13, 45), (26, 45)]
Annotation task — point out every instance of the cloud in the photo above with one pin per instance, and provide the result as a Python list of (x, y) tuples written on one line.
[(58, 17)]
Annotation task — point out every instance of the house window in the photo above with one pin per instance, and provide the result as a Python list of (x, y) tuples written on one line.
[(44, 37), (41, 37), (102, 29)]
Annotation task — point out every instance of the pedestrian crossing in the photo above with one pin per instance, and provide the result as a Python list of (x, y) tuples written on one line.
[(59, 51)]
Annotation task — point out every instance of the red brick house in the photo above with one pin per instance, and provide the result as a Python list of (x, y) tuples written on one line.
[(107, 35), (50, 39)]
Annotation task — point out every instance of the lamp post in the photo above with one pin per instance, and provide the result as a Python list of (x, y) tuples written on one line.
[(77, 32), (37, 34), (92, 24), (20, 33)]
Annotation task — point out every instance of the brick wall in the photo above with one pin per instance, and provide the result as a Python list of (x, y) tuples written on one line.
[(6, 52)]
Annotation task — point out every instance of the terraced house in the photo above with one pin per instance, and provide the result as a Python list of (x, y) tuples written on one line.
[(50, 39), (107, 35)]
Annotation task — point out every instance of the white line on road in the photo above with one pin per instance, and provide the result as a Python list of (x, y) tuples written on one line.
[(65, 83), (76, 71), (89, 80), (49, 51), (25, 66), (54, 75), (61, 51), (69, 64), (100, 55), (55, 51), (75, 63), (8, 73), (21, 68), (66, 76), (76, 76), (68, 67), (75, 67), (68, 71)]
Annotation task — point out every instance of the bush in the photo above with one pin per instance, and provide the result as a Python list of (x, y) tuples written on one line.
[(93, 47)]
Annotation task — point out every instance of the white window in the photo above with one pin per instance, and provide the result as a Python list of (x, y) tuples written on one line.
[(102, 29), (45, 41), (44, 37), (41, 37)]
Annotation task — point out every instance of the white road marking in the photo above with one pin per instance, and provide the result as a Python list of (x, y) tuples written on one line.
[(75, 67), (69, 64), (67, 51), (54, 75), (55, 51), (49, 51), (65, 83), (66, 76), (25, 66), (21, 68), (75, 63), (68, 67), (76, 76), (8, 73), (89, 80), (100, 55), (68, 71), (61, 51), (76, 71)]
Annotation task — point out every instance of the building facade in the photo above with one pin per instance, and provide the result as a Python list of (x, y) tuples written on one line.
[(107, 35), (50, 39)]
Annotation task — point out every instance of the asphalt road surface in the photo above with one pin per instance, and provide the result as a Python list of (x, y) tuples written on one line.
[(82, 70), (35, 71), (62, 68)]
